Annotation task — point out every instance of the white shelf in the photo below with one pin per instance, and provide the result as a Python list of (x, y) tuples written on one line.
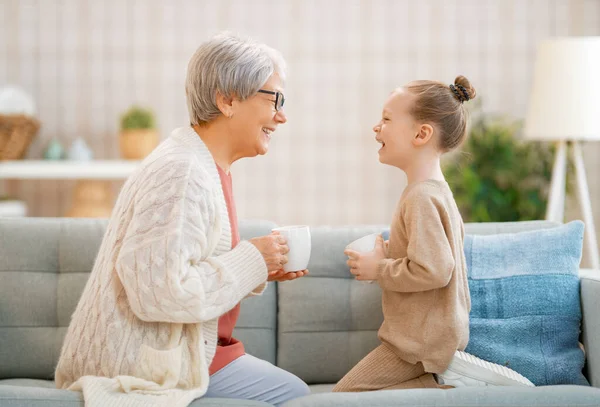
[(64, 169)]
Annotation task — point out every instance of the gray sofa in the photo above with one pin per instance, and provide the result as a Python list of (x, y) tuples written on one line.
[(317, 327)]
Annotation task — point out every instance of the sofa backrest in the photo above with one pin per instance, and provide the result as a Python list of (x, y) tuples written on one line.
[(328, 321), (44, 265), (257, 324)]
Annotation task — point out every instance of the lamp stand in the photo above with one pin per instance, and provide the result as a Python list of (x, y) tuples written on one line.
[(556, 204)]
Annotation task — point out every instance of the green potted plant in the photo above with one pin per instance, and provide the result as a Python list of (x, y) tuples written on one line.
[(496, 177), (138, 133)]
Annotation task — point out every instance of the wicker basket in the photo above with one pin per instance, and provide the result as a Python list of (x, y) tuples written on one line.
[(16, 134)]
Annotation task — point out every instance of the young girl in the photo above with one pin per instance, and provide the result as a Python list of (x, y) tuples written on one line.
[(423, 275)]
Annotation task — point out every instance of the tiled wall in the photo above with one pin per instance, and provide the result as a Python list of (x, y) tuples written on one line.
[(86, 61)]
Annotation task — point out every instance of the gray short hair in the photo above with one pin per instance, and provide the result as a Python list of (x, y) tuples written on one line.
[(231, 66)]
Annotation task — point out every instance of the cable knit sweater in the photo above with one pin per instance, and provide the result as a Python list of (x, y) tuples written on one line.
[(145, 329)]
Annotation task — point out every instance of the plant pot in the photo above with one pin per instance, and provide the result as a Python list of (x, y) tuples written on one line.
[(137, 144)]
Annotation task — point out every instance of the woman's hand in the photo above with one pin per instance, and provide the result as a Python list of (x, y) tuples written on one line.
[(273, 248), (364, 265), (281, 275)]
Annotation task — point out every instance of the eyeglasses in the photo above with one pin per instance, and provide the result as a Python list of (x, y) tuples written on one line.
[(279, 99)]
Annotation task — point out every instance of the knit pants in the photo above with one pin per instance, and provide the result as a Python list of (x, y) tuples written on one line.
[(383, 370)]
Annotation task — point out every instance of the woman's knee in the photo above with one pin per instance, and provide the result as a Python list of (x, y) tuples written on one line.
[(290, 387), (297, 387)]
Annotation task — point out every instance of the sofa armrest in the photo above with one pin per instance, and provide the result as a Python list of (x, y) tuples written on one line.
[(590, 307)]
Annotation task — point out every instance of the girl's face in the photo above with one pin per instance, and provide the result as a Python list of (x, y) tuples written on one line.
[(397, 130)]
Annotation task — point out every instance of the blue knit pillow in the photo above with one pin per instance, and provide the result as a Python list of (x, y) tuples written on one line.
[(525, 304)]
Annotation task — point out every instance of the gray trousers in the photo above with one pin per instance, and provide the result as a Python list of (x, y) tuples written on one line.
[(251, 378)]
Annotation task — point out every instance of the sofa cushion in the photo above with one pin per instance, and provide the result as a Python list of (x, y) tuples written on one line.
[(327, 320), (48, 384), (44, 265), (321, 388), (555, 396), (525, 302), (257, 323), (17, 396)]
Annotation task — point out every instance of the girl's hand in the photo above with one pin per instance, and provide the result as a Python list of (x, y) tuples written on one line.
[(364, 265)]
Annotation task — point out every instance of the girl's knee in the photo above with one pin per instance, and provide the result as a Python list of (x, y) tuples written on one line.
[(343, 387)]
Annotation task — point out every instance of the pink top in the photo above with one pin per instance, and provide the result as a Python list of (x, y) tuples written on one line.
[(228, 348)]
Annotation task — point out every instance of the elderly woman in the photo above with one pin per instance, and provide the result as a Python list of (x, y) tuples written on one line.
[(154, 323)]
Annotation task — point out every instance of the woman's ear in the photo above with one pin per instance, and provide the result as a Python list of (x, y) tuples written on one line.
[(423, 136), (225, 104)]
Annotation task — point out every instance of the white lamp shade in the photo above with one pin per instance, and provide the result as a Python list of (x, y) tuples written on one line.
[(565, 97)]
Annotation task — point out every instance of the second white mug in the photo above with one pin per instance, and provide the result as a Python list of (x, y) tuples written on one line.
[(299, 243)]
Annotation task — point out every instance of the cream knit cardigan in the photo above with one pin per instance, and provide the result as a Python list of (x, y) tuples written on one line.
[(145, 329)]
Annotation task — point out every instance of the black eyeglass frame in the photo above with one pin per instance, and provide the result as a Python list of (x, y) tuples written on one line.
[(278, 98)]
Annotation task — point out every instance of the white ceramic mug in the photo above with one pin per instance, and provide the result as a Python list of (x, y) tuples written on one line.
[(299, 243), (363, 245)]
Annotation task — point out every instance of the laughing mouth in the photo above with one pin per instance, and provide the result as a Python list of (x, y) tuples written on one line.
[(268, 131)]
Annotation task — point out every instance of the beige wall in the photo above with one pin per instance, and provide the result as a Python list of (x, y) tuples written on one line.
[(86, 61)]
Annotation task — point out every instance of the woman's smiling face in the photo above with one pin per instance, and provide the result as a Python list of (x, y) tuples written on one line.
[(254, 120)]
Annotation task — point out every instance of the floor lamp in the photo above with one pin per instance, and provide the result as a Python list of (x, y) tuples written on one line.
[(564, 107)]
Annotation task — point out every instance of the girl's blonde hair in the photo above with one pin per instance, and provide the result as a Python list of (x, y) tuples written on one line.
[(442, 105)]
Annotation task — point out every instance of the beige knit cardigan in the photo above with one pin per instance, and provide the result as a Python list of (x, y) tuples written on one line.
[(145, 329)]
